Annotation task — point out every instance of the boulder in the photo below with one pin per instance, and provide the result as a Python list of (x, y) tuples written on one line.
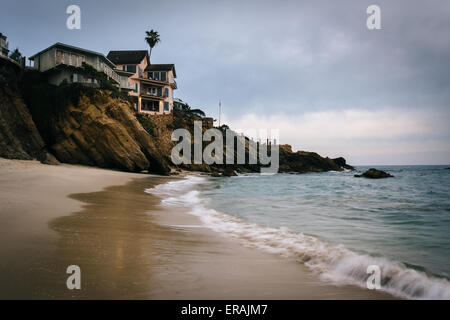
[(229, 172), (343, 163), (374, 174)]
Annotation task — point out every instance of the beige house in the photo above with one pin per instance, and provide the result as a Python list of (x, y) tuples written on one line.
[(153, 84), (63, 62)]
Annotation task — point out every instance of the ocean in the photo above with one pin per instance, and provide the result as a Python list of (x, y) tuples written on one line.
[(335, 224)]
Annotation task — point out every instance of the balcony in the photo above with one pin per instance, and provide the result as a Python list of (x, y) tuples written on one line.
[(149, 93), (173, 83)]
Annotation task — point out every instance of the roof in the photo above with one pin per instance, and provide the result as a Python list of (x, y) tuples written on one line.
[(124, 73), (162, 67), (76, 49), (128, 56)]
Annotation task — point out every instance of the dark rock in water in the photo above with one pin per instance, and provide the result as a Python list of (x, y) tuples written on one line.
[(374, 174), (343, 163), (229, 173), (215, 174), (447, 168), (302, 161)]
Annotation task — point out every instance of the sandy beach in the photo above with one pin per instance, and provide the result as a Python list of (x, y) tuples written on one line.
[(127, 245)]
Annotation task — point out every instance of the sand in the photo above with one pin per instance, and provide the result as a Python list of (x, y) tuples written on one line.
[(127, 245)]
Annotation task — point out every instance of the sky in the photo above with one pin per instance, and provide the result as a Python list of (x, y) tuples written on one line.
[(311, 69)]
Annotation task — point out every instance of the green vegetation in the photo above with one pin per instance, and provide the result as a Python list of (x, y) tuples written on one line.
[(147, 124), (16, 55), (187, 110), (105, 83)]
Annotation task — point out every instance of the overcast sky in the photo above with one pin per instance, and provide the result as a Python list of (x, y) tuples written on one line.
[(309, 68)]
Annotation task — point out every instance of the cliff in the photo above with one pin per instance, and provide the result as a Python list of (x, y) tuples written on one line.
[(82, 125), (19, 137), (93, 127)]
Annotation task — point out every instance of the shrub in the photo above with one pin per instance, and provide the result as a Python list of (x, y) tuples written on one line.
[(147, 124)]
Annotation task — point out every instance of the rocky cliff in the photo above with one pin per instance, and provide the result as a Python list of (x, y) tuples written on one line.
[(81, 125), (19, 137), (92, 127)]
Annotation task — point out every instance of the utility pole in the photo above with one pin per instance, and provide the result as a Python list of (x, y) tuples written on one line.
[(220, 111)]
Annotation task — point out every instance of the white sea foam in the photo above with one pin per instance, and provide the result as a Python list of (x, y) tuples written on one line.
[(333, 263)]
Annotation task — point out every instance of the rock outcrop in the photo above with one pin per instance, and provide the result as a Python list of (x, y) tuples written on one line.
[(19, 137), (81, 125), (302, 161), (102, 131), (343, 163), (374, 174)]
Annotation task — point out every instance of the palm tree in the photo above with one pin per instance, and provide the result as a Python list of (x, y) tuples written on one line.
[(152, 39)]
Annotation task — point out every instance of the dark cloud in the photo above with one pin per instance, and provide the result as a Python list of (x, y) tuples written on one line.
[(268, 57)]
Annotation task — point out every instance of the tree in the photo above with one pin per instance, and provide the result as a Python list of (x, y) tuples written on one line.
[(152, 38), (16, 55)]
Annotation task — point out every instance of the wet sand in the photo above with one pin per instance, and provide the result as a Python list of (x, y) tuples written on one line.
[(127, 245)]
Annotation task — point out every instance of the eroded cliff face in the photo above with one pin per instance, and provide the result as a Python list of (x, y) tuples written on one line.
[(19, 137), (102, 131), (87, 126)]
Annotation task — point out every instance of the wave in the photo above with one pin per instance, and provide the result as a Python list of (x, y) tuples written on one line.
[(333, 263)]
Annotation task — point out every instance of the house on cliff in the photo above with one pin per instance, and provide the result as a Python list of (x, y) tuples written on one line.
[(153, 84), (4, 50), (63, 62)]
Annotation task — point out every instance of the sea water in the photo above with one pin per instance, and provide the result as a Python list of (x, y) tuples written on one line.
[(336, 224)]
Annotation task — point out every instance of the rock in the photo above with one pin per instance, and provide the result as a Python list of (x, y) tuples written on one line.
[(343, 163), (374, 174), (19, 137), (93, 128), (47, 158), (302, 161), (216, 174), (229, 172), (447, 168)]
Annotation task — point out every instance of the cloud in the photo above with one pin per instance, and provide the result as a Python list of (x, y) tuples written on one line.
[(362, 136)]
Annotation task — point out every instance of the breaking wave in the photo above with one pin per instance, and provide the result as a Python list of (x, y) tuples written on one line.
[(333, 263)]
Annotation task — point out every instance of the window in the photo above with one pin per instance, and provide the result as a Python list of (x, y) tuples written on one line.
[(166, 106), (151, 91), (150, 75), (131, 68), (135, 87), (163, 76), (149, 105), (58, 57), (166, 93), (159, 92), (156, 76)]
